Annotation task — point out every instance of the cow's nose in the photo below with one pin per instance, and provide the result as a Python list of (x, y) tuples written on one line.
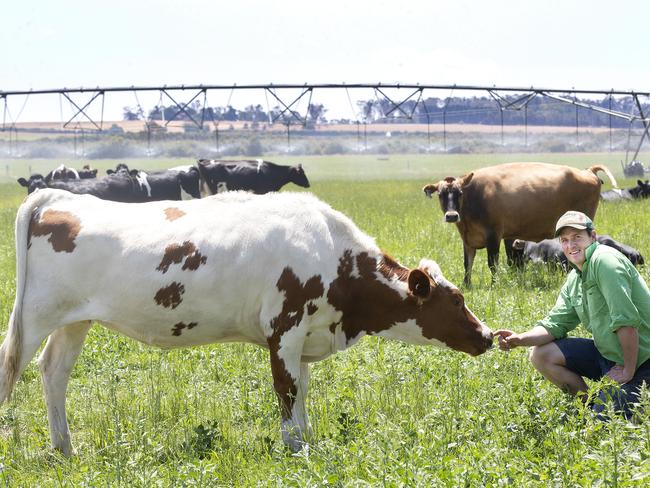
[(452, 217)]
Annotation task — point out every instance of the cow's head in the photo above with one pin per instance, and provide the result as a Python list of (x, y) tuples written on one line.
[(643, 188), (450, 193), (87, 173), (297, 175), (120, 169), (190, 182), (442, 314), (34, 182), (211, 174)]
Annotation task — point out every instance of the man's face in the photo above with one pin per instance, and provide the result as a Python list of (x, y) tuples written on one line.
[(574, 243)]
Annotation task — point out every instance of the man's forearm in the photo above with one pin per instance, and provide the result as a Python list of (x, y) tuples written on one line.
[(536, 336), (629, 339)]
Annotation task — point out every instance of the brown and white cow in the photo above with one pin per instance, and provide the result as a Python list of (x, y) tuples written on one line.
[(284, 271), (514, 201)]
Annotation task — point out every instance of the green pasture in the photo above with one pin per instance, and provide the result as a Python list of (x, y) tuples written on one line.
[(384, 413)]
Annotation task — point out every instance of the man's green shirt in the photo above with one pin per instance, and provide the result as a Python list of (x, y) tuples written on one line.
[(609, 293)]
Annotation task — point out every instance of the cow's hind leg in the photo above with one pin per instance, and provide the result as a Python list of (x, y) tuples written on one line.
[(17, 350), (56, 362)]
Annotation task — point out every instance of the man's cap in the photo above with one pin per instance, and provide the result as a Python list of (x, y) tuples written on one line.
[(574, 219)]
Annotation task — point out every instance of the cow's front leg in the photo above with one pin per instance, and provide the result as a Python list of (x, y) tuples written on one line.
[(468, 261), (509, 253), (493, 244), (291, 381)]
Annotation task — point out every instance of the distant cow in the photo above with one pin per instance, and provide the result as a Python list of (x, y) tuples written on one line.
[(550, 251), (86, 172), (284, 271), (255, 176), (118, 187), (546, 251), (64, 172), (514, 201), (641, 190), (129, 186), (120, 168), (180, 183), (629, 252)]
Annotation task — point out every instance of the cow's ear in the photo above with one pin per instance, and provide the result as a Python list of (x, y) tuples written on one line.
[(134, 172), (639, 182), (420, 285), (23, 182), (110, 171), (94, 172), (464, 180), (430, 189)]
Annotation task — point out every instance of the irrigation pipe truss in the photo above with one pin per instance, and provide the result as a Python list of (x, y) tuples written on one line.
[(291, 115)]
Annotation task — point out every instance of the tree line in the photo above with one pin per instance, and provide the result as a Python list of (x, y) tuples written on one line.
[(453, 110)]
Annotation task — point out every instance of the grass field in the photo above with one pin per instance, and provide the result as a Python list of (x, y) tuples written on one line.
[(384, 413)]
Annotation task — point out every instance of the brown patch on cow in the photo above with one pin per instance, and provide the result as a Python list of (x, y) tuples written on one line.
[(368, 304), (63, 228), (170, 296), (311, 309), (176, 330), (174, 254), (173, 213), (296, 296)]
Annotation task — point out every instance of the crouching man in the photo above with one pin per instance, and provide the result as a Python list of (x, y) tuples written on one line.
[(605, 293)]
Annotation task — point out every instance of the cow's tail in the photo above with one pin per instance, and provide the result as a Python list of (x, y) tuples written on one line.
[(10, 351), (601, 167)]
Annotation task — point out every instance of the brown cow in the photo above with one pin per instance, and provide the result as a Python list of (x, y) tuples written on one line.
[(514, 201)]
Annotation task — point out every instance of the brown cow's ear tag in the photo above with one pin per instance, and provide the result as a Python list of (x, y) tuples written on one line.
[(420, 284)]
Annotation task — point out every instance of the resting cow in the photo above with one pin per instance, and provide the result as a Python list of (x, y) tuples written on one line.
[(641, 190), (255, 176), (550, 251), (514, 201), (284, 271)]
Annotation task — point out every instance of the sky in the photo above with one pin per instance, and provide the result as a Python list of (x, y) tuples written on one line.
[(594, 44)]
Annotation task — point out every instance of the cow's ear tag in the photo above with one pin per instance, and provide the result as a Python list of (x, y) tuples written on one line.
[(419, 284)]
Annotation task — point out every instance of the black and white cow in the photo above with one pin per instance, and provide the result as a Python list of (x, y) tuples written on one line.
[(65, 173), (256, 176), (546, 251), (129, 186), (62, 172), (86, 172), (117, 187), (306, 284), (179, 183), (550, 251), (629, 252), (641, 190)]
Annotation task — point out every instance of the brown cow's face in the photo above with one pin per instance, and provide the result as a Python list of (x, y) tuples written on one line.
[(443, 314), (450, 193)]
